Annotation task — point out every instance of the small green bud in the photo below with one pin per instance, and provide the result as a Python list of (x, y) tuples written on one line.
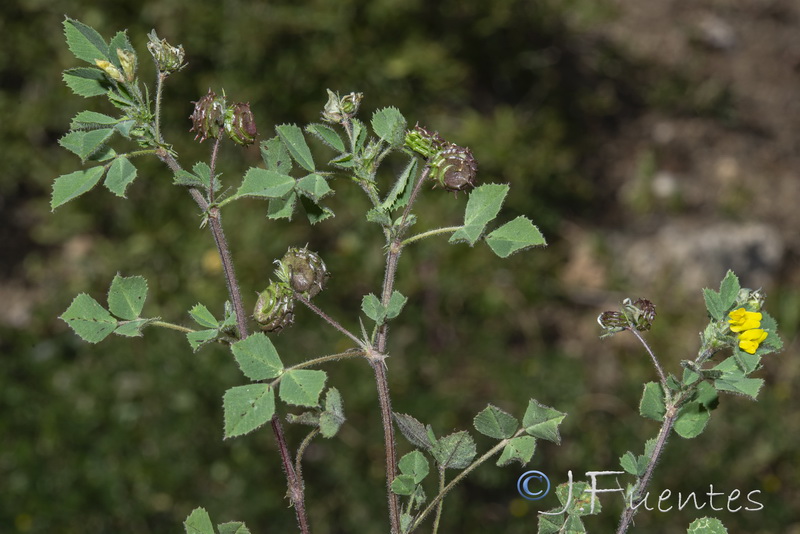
[(454, 168), (240, 124), (128, 61), (304, 271), (208, 116), (275, 307), (423, 142), (751, 299), (338, 109), (168, 58), (351, 103), (112, 71)]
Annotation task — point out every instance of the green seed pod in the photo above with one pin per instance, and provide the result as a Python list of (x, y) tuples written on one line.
[(454, 168), (304, 271), (423, 142), (208, 116), (275, 307), (240, 124), (168, 58)]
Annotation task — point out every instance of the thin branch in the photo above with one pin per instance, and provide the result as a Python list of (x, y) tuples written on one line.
[(172, 326), (329, 358), (656, 363), (328, 319), (430, 233)]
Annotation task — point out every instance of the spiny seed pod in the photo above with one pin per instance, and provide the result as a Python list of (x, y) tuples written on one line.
[(612, 322), (168, 58), (208, 116), (304, 271), (240, 125), (454, 168), (275, 307), (337, 109), (128, 61), (423, 142)]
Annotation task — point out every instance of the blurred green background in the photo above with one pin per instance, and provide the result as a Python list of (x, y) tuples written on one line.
[(623, 127)]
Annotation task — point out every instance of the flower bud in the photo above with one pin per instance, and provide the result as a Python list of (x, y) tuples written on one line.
[(423, 142), (128, 61), (454, 168), (240, 124), (304, 271), (338, 109), (168, 58), (208, 116), (275, 307), (351, 103), (112, 71)]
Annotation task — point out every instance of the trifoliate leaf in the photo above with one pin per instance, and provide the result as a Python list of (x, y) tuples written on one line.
[(198, 522), (454, 451), (84, 143), (302, 387), (652, 404), (126, 296), (515, 236), (541, 421), (292, 137), (414, 464), (257, 357), (327, 135), (89, 319), (520, 449), (119, 176), (72, 185), (495, 423), (247, 408), (265, 184), (84, 42), (483, 205)]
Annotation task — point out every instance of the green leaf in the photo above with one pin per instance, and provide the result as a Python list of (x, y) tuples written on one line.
[(714, 304), (495, 423), (390, 125), (632, 464), (84, 143), (315, 212), (551, 524), (380, 216), (402, 185), (276, 156), (652, 404), (247, 407), (372, 308), (541, 421), (74, 184), (327, 135), (332, 418), (120, 41), (314, 187), (132, 328), (692, 420), (292, 137), (514, 236), (126, 296), (729, 290), (233, 527), (707, 525), (302, 387), (483, 205), (201, 337), (396, 303), (574, 525), (119, 176), (403, 485), (265, 184), (257, 357), (188, 179), (520, 449), (736, 382), (203, 317), (89, 319), (454, 451), (90, 120), (415, 465), (282, 208), (87, 82), (359, 134), (413, 430), (84, 42), (198, 522)]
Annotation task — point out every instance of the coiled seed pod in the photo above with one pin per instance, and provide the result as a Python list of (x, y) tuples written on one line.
[(424, 142), (208, 116), (454, 168), (303, 270), (240, 124), (275, 307)]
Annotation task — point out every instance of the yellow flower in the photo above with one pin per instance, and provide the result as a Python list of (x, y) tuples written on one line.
[(750, 339), (741, 320)]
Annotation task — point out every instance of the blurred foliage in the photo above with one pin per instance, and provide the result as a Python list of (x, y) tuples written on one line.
[(126, 436)]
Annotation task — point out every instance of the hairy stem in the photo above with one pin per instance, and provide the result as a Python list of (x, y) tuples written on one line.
[(430, 233), (662, 377), (159, 91), (441, 503), (172, 326), (327, 318)]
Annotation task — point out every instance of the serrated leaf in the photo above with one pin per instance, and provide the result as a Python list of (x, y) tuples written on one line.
[(203, 317), (119, 176), (652, 404), (359, 134), (84, 143), (185, 178), (380, 216), (396, 303), (314, 187), (89, 120), (126, 296), (413, 430), (550, 524), (84, 42), (332, 418), (74, 184), (265, 184), (119, 41), (257, 357), (233, 527), (632, 464), (302, 387), (574, 525), (372, 308), (275, 155), (714, 304), (454, 451), (132, 328), (483, 205), (541, 421), (729, 290), (495, 423), (515, 236), (692, 420), (201, 337), (401, 185), (87, 82), (292, 137), (403, 485), (315, 212), (282, 208), (247, 407), (735, 382), (89, 319), (519, 449), (390, 125), (707, 525), (327, 135), (198, 522), (415, 465)]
